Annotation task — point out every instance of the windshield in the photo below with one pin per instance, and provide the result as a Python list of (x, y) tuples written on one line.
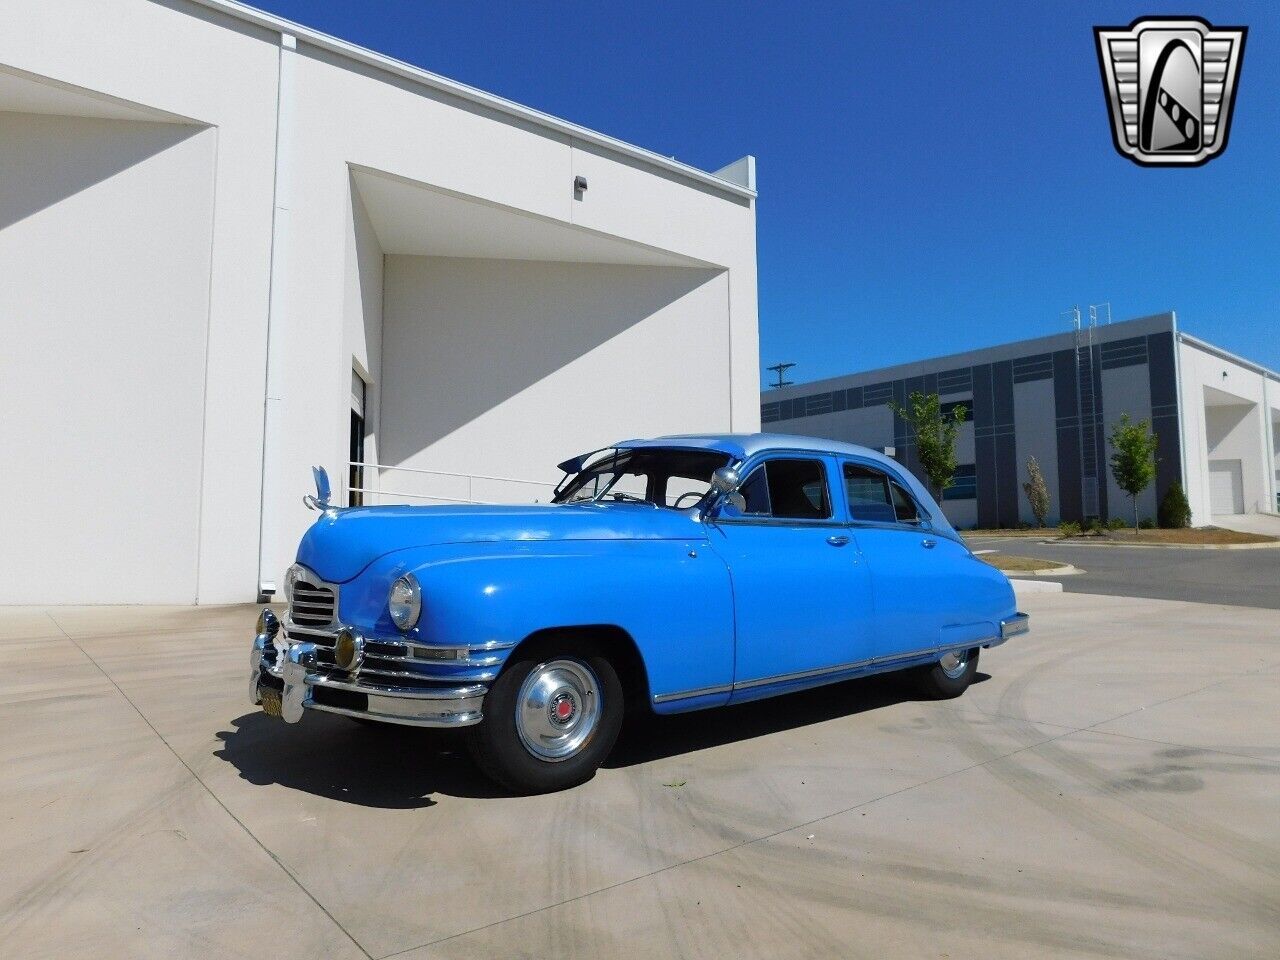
[(666, 478)]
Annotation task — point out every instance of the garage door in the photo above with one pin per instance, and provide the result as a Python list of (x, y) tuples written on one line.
[(1226, 488)]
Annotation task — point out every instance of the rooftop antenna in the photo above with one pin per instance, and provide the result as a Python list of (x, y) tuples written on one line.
[(1093, 312), (780, 369)]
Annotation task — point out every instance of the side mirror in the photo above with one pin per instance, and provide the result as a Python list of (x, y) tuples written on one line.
[(731, 506), (725, 500), (724, 480)]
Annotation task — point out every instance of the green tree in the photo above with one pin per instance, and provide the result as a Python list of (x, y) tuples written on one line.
[(1133, 458), (1037, 491), (935, 437)]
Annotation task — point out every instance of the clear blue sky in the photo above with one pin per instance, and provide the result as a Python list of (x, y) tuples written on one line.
[(933, 178)]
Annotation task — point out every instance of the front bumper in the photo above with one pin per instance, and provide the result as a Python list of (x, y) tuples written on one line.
[(288, 678)]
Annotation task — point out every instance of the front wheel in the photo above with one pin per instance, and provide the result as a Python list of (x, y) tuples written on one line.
[(950, 676), (550, 719)]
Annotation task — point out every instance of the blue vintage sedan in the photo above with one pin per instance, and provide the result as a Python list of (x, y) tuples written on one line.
[(672, 574)]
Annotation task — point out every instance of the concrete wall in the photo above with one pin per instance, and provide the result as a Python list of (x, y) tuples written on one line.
[(221, 74), (578, 356), (104, 263), (1223, 406), (235, 233)]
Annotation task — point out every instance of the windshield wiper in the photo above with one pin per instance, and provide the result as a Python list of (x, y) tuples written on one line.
[(628, 497)]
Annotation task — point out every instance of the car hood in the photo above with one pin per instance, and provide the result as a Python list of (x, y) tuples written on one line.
[(343, 542)]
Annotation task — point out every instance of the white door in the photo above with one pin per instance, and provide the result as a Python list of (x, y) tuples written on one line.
[(1226, 487)]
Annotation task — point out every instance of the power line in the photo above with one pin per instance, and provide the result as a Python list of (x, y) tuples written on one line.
[(780, 369)]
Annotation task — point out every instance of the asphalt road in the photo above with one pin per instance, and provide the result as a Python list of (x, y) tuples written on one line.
[(1249, 578)]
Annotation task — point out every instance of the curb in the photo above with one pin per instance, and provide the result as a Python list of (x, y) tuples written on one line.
[(1066, 570), (1100, 542)]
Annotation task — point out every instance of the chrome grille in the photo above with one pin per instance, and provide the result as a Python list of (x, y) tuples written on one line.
[(387, 663), (312, 605)]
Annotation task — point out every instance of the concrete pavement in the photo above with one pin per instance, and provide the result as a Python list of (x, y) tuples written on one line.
[(1109, 788), (1267, 524)]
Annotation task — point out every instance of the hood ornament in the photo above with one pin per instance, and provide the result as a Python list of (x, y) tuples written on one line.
[(324, 492)]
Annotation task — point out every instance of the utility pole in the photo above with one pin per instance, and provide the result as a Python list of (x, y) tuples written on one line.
[(780, 369)]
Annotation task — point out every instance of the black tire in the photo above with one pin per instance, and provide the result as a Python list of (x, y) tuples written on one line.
[(497, 743), (937, 683)]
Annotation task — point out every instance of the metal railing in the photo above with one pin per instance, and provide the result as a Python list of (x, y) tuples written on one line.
[(466, 485)]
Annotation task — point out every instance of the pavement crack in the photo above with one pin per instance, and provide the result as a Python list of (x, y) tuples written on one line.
[(216, 799)]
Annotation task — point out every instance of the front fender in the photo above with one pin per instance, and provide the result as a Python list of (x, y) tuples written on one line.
[(672, 597)]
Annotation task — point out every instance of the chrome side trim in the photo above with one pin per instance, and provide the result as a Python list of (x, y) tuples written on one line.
[(846, 667), (690, 694), (820, 672)]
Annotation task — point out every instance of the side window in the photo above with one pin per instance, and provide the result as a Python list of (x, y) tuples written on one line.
[(798, 489), (903, 506), (868, 493), (875, 497), (756, 492)]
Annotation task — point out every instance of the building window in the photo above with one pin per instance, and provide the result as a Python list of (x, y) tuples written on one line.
[(965, 484)]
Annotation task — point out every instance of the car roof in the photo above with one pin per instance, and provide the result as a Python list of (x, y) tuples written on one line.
[(742, 446)]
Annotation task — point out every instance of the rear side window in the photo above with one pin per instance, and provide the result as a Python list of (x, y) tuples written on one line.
[(875, 497), (903, 506), (798, 489), (868, 493)]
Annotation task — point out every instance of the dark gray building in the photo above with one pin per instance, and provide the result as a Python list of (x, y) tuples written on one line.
[(1057, 398)]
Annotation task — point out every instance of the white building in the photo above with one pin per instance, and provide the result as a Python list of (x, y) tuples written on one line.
[(1217, 417), (232, 247)]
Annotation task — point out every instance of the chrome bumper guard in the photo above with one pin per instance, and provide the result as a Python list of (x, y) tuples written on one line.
[(290, 675), (1013, 626)]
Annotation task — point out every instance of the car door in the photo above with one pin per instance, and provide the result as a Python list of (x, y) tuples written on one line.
[(802, 596), (919, 577)]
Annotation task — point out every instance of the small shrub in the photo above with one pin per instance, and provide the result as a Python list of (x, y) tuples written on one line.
[(1116, 523), (1037, 491), (1069, 528), (1023, 525), (1174, 512), (1146, 523), (1093, 525)]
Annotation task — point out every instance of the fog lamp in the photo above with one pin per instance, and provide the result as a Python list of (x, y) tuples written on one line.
[(348, 650)]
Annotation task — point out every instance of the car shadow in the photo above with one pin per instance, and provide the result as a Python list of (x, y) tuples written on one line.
[(656, 737), (369, 765), (402, 768)]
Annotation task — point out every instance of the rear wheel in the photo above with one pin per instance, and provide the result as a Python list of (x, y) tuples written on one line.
[(550, 719), (950, 676)]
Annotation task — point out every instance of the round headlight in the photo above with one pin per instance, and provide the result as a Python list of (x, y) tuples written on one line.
[(405, 602)]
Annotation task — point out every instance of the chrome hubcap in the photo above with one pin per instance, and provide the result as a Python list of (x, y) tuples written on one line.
[(953, 664), (558, 709)]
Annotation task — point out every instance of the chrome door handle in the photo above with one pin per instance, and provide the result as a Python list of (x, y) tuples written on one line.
[(928, 544), (837, 541)]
